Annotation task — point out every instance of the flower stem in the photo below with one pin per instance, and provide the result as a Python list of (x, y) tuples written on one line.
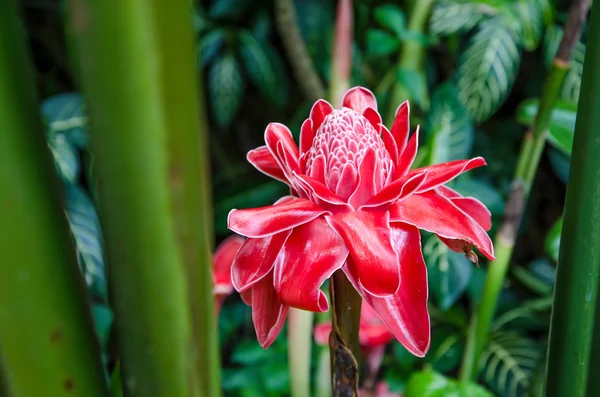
[(529, 158), (47, 340), (578, 270), (341, 61), (300, 326), (302, 66), (143, 111), (344, 342), (412, 55)]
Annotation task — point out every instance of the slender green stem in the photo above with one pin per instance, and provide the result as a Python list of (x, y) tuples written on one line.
[(125, 76), (48, 343), (593, 379), (189, 181), (529, 158), (412, 54), (346, 311), (578, 271), (300, 326)]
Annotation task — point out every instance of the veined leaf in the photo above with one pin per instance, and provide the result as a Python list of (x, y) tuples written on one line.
[(65, 114), (226, 87), (482, 191), (392, 18), (447, 345), (433, 384), (380, 43), (552, 241), (257, 58), (449, 272), (530, 15), (508, 363), (562, 122), (65, 157), (572, 84), (209, 46), (449, 125), (488, 68), (85, 227), (450, 17)]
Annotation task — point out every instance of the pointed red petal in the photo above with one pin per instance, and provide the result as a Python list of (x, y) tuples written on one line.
[(247, 296), (268, 314), (262, 159), (367, 236), (366, 183), (359, 98), (307, 133), (475, 209), (461, 246), (390, 143), (432, 212), (404, 313), (407, 157), (266, 221), (276, 133), (256, 259), (319, 111), (373, 117), (401, 126), (309, 257), (320, 193), (440, 174), (223, 259), (317, 169), (347, 183), (397, 190)]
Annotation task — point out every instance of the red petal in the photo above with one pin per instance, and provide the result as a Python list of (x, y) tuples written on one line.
[(223, 259), (276, 133), (366, 183), (432, 212), (462, 246), (397, 190), (401, 126), (306, 136), (319, 111), (405, 313), (475, 209), (407, 157), (347, 183), (266, 221), (320, 193), (247, 296), (309, 257), (317, 169), (359, 98), (448, 192), (440, 174), (321, 333), (373, 117), (268, 314), (367, 236), (390, 143), (256, 259), (262, 159)]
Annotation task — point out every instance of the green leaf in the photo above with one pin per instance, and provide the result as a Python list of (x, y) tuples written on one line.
[(257, 57), (446, 349), (210, 45), (228, 8), (482, 191), (65, 115), (562, 122), (448, 17), (531, 22), (85, 227), (433, 384), (103, 319), (416, 84), (249, 352), (552, 241), (449, 125), (572, 84), (380, 43), (65, 157), (488, 68), (391, 17), (226, 88), (448, 272), (509, 362)]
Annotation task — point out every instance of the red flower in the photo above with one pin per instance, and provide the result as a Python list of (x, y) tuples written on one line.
[(355, 205), (221, 271)]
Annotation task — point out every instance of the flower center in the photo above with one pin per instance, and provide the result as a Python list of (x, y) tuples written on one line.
[(342, 142)]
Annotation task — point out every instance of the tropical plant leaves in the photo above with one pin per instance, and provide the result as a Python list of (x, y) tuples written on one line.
[(531, 22), (433, 384), (392, 18), (380, 43), (552, 241), (209, 46), (488, 68), (66, 158), (448, 17), (482, 191), (509, 362), (226, 87), (448, 272), (262, 65), (450, 127), (66, 118), (572, 83)]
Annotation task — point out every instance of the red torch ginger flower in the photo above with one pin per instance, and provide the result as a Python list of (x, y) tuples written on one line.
[(355, 205), (221, 271)]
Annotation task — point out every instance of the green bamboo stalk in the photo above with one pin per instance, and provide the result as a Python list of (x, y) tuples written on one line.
[(578, 272), (300, 327), (190, 180), (529, 158), (412, 55), (47, 339), (594, 367), (125, 76)]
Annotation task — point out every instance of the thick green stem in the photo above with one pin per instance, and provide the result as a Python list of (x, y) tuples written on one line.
[(144, 182), (300, 326), (189, 181), (578, 271), (593, 379), (529, 158), (412, 54), (48, 343)]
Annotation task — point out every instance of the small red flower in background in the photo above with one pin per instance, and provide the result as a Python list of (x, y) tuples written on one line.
[(355, 205), (221, 271)]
